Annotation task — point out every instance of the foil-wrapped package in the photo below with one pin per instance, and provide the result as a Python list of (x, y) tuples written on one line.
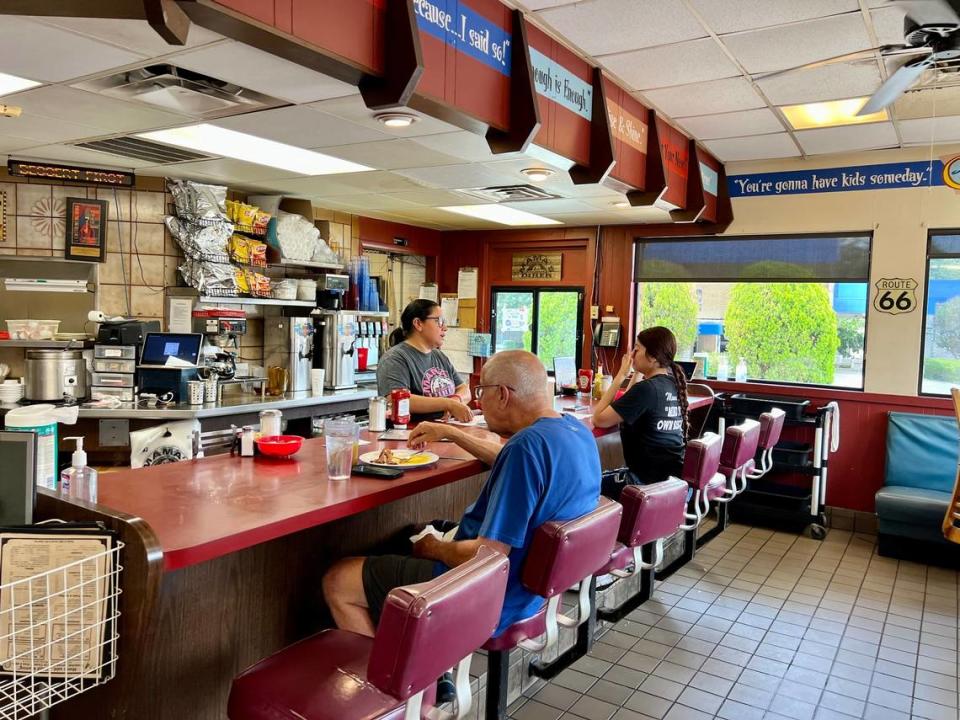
[(197, 202)]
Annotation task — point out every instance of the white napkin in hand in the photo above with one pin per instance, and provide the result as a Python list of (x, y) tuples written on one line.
[(431, 530)]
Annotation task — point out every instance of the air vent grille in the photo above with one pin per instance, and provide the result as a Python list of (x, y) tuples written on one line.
[(134, 147), (509, 193)]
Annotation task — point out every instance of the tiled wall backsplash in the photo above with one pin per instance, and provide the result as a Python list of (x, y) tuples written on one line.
[(142, 259)]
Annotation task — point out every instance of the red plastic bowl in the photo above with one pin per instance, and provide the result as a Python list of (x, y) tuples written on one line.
[(280, 445)]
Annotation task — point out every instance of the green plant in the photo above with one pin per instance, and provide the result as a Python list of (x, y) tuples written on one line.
[(946, 320), (785, 331), (674, 306), (946, 369), (850, 332)]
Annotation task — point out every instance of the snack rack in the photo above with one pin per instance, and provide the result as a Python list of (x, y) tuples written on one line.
[(46, 622)]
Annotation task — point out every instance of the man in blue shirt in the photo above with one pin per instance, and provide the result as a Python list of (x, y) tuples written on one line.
[(548, 470)]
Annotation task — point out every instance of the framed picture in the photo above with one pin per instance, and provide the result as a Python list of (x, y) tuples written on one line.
[(86, 230)]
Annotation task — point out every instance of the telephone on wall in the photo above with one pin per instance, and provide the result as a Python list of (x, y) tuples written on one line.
[(606, 333)]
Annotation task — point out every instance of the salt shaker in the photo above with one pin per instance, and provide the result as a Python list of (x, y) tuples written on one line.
[(377, 413), (246, 442)]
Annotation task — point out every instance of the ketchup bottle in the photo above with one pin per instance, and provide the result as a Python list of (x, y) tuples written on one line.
[(400, 407)]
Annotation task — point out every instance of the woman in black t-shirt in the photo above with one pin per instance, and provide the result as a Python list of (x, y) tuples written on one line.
[(652, 413)]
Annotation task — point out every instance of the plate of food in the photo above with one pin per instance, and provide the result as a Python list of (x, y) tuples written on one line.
[(393, 457)]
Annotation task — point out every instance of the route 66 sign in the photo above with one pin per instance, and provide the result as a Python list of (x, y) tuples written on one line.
[(895, 295)]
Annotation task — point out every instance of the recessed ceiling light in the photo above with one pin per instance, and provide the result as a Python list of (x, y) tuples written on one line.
[(397, 120), (12, 83), (829, 114), (250, 148), (620, 204), (537, 174), (500, 214)]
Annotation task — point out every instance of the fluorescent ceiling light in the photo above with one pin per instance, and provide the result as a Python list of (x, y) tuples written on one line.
[(12, 83), (829, 114), (500, 214), (215, 140)]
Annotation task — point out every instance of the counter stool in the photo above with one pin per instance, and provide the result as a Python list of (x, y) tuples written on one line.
[(736, 461), (424, 630), (561, 555), (701, 461), (651, 513), (771, 427)]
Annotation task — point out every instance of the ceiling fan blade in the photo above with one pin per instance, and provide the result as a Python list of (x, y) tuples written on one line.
[(847, 57), (893, 88)]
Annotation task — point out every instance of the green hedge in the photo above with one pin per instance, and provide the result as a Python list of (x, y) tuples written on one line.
[(947, 369)]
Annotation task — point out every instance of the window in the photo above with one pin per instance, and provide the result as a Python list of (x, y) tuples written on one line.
[(792, 307), (941, 317), (545, 321)]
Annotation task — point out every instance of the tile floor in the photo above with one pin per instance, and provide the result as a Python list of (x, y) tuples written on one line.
[(771, 626)]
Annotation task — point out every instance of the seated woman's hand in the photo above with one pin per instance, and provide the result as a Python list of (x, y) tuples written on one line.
[(458, 411), (426, 432)]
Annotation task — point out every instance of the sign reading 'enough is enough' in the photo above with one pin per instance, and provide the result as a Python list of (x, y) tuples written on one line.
[(466, 31), (556, 83)]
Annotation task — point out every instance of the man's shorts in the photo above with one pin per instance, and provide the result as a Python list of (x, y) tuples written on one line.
[(383, 573)]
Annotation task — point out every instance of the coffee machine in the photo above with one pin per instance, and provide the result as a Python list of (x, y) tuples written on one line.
[(331, 290), (221, 331), (335, 339), (288, 341)]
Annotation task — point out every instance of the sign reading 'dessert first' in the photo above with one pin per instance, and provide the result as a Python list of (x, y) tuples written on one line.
[(71, 173), (466, 31), (887, 176)]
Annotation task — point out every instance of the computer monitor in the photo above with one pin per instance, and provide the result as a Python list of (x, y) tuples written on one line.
[(565, 371), (689, 367), (157, 347), (18, 481)]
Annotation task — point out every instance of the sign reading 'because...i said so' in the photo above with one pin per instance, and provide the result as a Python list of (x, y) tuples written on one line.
[(466, 31)]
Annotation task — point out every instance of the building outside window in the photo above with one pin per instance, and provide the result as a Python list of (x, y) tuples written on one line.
[(546, 321), (793, 308), (941, 322)]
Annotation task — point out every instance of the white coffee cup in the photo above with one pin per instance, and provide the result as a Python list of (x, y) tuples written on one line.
[(316, 381)]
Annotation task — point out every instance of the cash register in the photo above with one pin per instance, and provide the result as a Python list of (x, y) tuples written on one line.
[(168, 362)]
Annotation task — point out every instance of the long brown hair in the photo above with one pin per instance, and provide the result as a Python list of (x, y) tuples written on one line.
[(661, 344)]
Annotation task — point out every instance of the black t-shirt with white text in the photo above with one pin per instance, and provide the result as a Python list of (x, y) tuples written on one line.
[(652, 428)]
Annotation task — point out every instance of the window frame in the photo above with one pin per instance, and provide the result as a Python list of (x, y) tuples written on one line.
[(926, 294), (535, 290), (844, 233)]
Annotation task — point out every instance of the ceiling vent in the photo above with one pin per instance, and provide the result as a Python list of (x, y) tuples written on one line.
[(509, 193), (129, 146), (179, 90)]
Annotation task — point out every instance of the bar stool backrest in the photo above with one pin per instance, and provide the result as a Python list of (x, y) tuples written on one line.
[(701, 460), (651, 512), (771, 426), (564, 553), (428, 628), (740, 444)]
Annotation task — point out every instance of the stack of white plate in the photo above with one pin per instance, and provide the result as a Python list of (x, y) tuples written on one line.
[(11, 391)]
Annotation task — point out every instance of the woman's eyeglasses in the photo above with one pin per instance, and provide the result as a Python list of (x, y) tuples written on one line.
[(441, 322)]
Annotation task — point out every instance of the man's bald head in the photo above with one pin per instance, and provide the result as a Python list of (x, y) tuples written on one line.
[(520, 370)]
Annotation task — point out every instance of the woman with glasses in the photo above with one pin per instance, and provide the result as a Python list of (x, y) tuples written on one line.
[(652, 413), (415, 362)]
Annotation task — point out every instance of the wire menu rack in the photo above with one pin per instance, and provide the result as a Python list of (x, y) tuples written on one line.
[(58, 629)]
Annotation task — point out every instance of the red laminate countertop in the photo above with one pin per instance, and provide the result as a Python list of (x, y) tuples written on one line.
[(204, 509)]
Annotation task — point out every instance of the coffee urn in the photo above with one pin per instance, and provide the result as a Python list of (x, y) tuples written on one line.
[(335, 340), (288, 342)]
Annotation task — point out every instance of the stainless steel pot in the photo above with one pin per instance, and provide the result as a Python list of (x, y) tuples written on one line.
[(51, 374)]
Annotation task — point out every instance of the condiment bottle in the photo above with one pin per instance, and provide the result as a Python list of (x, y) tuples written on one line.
[(377, 413), (598, 383), (400, 415), (246, 442)]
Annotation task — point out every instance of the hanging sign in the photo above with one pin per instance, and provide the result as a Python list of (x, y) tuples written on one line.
[(555, 82), (895, 295), (675, 155), (537, 266), (70, 173), (628, 120), (886, 176), (709, 177), (466, 31)]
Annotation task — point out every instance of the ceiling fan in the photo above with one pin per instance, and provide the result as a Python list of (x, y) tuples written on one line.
[(931, 30)]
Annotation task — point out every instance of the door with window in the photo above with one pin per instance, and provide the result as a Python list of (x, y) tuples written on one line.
[(546, 321)]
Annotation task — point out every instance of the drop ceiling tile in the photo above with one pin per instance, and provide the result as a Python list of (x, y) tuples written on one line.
[(609, 26), (435, 198), (301, 126), (760, 147), (462, 144), (677, 64), (452, 177), (549, 207), (929, 102), (761, 51), (829, 82), (735, 124), (261, 71), (371, 201), (228, 169), (133, 35), (888, 24), (847, 139), (735, 15), (347, 184), (107, 115), (392, 154), (923, 131), (49, 54), (46, 130), (541, 4), (12, 143), (351, 108), (708, 98)]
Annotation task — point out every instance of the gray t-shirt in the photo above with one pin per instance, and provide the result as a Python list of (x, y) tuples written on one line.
[(429, 374)]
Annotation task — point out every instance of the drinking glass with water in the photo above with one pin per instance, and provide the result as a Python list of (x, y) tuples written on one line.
[(339, 437)]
